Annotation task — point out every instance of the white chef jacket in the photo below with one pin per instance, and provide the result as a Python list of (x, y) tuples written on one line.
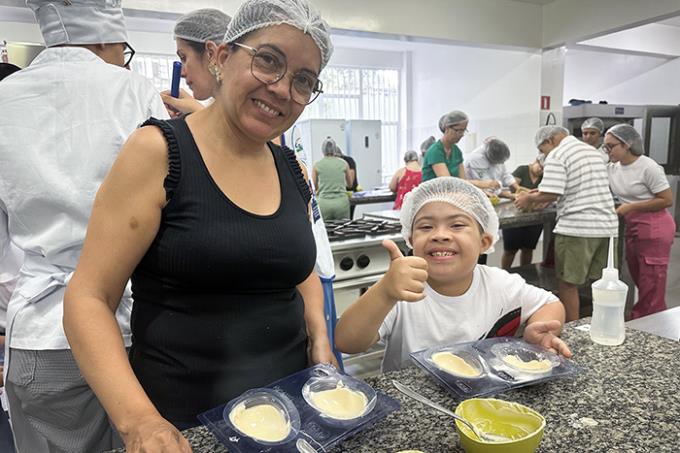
[(477, 166), (11, 258), (62, 123)]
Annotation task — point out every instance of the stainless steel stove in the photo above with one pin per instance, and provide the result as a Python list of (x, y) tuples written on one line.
[(359, 257)]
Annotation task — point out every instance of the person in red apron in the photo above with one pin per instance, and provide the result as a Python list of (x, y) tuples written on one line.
[(643, 190), (406, 178)]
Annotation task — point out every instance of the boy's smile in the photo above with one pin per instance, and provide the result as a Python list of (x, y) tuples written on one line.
[(450, 240)]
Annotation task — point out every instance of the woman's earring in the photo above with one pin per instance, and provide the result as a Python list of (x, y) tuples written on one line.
[(214, 70)]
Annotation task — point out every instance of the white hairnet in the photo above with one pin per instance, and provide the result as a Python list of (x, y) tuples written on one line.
[(328, 147), (456, 192), (202, 25), (628, 135), (429, 141), (79, 21), (451, 119), (496, 151), (545, 133), (593, 123), (410, 156), (255, 14)]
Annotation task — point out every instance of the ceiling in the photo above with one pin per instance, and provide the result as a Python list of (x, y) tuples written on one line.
[(675, 22), (535, 2)]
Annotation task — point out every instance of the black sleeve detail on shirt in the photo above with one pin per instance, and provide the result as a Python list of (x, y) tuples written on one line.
[(174, 168), (507, 325), (298, 175)]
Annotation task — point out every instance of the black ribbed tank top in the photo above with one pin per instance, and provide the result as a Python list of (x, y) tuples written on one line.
[(216, 310)]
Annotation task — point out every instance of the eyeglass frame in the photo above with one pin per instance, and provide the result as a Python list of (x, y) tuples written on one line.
[(460, 131), (315, 92), (131, 51), (607, 148)]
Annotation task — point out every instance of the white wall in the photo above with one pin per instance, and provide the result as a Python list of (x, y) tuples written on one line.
[(621, 78), (498, 89)]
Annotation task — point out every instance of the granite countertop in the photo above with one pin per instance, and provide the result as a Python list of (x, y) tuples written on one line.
[(510, 217), (631, 391)]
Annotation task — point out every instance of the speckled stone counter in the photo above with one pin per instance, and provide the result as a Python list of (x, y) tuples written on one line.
[(511, 217), (632, 391)]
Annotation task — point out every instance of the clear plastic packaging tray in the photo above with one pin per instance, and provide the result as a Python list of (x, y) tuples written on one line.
[(503, 363), (322, 432)]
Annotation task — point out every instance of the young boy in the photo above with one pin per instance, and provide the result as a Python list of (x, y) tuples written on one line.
[(441, 295)]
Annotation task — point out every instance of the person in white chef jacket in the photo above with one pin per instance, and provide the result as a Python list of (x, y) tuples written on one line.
[(62, 123)]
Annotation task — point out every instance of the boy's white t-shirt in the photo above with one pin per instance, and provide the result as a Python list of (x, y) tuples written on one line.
[(495, 305)]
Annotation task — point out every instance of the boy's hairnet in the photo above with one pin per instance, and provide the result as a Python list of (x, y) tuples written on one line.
[(545, 133), (429, 141), (628, 135), (256, 14), (202, 25), (328, 147), (451, 119), (593, 123), (410, 156), (496, 151), (455, 191)]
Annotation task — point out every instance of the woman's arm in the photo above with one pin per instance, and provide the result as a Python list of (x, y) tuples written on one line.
[(125, 219), (442, 170), (395, 179), (349, 180), (315, 176), (661, 200), (320, 347)]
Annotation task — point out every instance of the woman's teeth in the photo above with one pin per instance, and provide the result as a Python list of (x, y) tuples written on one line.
[(266, 108)]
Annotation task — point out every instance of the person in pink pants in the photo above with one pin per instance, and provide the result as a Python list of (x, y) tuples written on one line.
[(643, 189)]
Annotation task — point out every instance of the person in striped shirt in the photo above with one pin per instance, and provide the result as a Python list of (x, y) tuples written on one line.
[(576, 177)]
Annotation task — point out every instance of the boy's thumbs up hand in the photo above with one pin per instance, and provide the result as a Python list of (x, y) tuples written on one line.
[(406, 277)]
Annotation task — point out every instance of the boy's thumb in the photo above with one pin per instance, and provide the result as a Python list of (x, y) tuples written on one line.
[(392, 249)]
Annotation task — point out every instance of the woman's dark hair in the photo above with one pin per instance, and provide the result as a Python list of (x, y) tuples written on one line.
[(198, 47), (7, 69)]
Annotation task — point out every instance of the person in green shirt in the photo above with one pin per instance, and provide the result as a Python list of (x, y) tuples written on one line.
[(331, 176), (443, 157)]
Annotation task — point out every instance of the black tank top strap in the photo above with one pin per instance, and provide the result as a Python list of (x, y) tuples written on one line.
[(171, 181), (295, 169)]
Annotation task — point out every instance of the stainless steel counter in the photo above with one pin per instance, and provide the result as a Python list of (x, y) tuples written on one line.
[(664, 324)]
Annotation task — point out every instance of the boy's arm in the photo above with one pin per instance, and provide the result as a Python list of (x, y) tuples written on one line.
[(357, 329), (544, 326)]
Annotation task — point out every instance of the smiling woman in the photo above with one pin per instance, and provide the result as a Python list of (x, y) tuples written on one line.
[(221, 260)]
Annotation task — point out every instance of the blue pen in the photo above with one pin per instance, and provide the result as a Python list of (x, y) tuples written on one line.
[(176, 74)]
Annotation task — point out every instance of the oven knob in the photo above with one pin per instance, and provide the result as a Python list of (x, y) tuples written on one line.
[(363, 261), (346, 263)]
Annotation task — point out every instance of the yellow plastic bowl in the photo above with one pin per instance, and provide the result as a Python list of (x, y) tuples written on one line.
[(522, 425)]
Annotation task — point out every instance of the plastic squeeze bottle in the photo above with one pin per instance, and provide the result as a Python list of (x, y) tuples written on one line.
[(609, 301)]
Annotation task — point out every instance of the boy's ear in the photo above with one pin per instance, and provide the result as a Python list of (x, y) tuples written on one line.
[(487, 240)]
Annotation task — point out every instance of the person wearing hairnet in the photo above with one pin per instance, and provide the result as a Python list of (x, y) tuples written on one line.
[(331, 176), (487, 163), (211, 221), (406, 178), (440, 295), (591, 132), (643, 189), (444, 158), (574, 175), (197, 34), (525, 238), (63, 121), (429, 141)]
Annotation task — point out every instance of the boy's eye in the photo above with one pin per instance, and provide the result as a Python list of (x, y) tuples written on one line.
[(459, 225), (424, 227)]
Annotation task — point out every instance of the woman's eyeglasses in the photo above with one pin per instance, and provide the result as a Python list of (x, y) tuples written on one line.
[(269, 66)]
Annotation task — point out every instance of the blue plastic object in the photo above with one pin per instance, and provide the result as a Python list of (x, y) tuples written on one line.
[(176, 75)]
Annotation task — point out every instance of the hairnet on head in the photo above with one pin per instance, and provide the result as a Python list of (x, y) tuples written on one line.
[(593, 123), (256, 14), (328, 147), (79, 21), (545, 133), (410, 156), (496, 151), (455, 191), (429, 141), (628, 135), (202, 25), (451, 119)]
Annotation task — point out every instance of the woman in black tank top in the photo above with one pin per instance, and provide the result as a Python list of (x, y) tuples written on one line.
[(210, 220)]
